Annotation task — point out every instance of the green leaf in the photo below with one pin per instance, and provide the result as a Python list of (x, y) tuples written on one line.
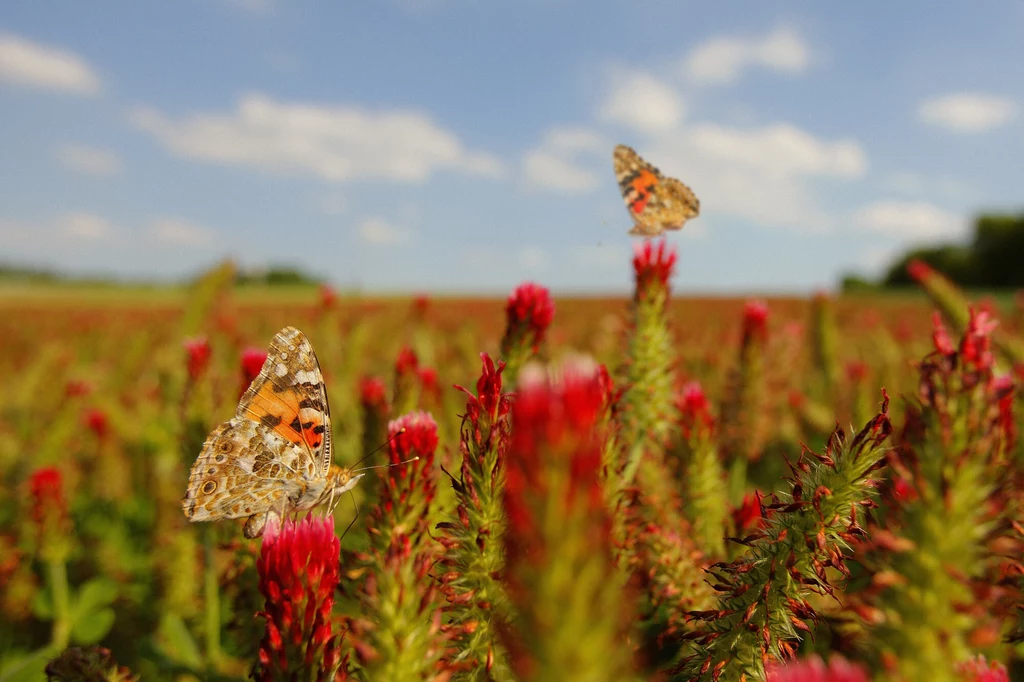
[(92, 627), (94, 595)]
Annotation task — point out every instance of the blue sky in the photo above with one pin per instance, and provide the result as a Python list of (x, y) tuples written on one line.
[(465, 146)]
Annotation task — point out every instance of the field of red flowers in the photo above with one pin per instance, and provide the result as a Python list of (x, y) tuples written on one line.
[(645, 489)]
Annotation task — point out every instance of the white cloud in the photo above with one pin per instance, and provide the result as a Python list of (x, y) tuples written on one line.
[(554, 165), (336, 143), (88, 160), (379, 231), (84, 226), (643, 103), (913, 220), (169, 230), (967, 112), (723, 60), (23, 62), (781, 149)]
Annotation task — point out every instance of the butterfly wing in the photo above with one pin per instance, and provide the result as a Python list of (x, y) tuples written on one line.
[(289, 397), (244, 470), (655, 202)]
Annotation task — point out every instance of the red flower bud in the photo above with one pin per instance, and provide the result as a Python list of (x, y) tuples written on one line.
[(198, 357)]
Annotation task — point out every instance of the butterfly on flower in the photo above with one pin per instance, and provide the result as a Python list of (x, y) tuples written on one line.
[(656, 203), (275, 455)]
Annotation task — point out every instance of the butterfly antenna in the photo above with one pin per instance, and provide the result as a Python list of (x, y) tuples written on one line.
[(354, 517), (385, 466), (379, 448)]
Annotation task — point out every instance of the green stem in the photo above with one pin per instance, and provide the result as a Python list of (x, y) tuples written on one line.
[(211, 596), (58, 575)]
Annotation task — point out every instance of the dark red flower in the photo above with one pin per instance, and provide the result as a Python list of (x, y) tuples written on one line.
[(750, 514), (653, 263), (48, 509), (298, 573), (528, 314), (903, 490), (198, 357), (328, 297), (694, 410), (407, 362), (429, 382), (76, 388), (976, 346), (978, 669), (755, 322), (857, 371), (419, 439), (96, 421), (489, 397), (252, 362), (919, 271), (813, 669), (1003, 389), (420, 305), (373, 393), (940, 337)]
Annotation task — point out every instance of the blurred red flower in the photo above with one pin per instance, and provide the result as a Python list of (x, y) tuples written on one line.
[(755, 322), (695, 410), (252, 362), (978, 669), (407, 362), (813, 669), (298, 572), (328, 297), (919, 271), (976, 346), (49, 512), (750, 514), (529, 312), (373, 393), (940, 337), (96, 421), (198, 356), (420, 304)]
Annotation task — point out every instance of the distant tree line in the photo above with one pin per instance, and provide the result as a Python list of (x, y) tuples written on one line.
[(993, 259), (276, 276)]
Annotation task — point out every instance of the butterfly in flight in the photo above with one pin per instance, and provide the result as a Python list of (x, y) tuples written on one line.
[(274, 456), (655, 203)]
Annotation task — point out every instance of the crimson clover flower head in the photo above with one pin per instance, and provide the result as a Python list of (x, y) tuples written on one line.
[(529, 312), (856, 371), (428, 382), (560, 415), (420, 305), (940, 336), (695, 410), (976, 346), (298, 573), (197, 352), (46, 493), (49, 512), (418, 440), (755, 322), (252, 362), (978, 669), (489, 399), (653, 263), (407, 362), (373, 392), (813, 669), (920, 271), (328, 297), (751, 512), (96, 421)]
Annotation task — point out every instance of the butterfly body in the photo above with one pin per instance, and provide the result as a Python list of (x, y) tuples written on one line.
[(655, 203), (275, 455)]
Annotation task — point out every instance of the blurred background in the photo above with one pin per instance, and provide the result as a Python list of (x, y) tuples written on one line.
[(455, 146)]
